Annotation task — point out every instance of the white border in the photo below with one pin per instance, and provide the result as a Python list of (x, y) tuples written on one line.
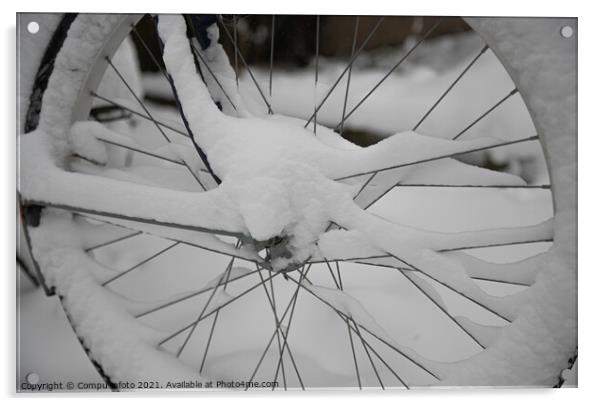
[(590, 145)]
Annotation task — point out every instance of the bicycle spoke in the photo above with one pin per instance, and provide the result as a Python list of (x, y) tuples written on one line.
[(189, 296), (366, 183), (135, 96), (272, 40), (486, 113), (447, 285), (235, 23), (196, 240), (110, 137), (342, 74), (411, 279), (450, 87), (475, 186), (194, 323), (197, 52), (445, 242), (336, 264), (139, 264), (359, 333), (501, 144), (213, 324), (143, 106), (332, 275), (213, 292), (123, 106), (368, 355), (104, 244), (290, 354), (124, 217), (356, 330), (375, 262), (479, 278), (141, 151), (502, 244), (357, 371), (368, 348), (344, 317), (339, 286), (149, 52), (290, 319), (353, 43), (273, 307), (215, 316), (272, 302), (437, 176), (292, 303), (247, 68), (263, 354), (380, 82), (384, 256), (316, 72), (107, 139), (408, 357)]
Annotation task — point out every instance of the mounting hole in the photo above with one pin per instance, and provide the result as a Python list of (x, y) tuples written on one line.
[(566, 31), (33, 27), (32, 378)]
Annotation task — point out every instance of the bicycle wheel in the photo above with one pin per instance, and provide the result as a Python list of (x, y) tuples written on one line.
[(268, 198)]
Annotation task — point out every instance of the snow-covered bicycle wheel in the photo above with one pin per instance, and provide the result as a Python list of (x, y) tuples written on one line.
[(269, 198)]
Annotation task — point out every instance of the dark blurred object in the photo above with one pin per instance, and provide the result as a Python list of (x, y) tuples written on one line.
[(337, 31), (295, 36)]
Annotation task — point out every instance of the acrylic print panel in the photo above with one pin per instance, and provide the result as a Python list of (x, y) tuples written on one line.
[(290, 202)]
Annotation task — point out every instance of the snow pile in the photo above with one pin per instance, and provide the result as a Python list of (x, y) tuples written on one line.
[(42, 181), (279, 175), (215, 62), (126, 348)]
